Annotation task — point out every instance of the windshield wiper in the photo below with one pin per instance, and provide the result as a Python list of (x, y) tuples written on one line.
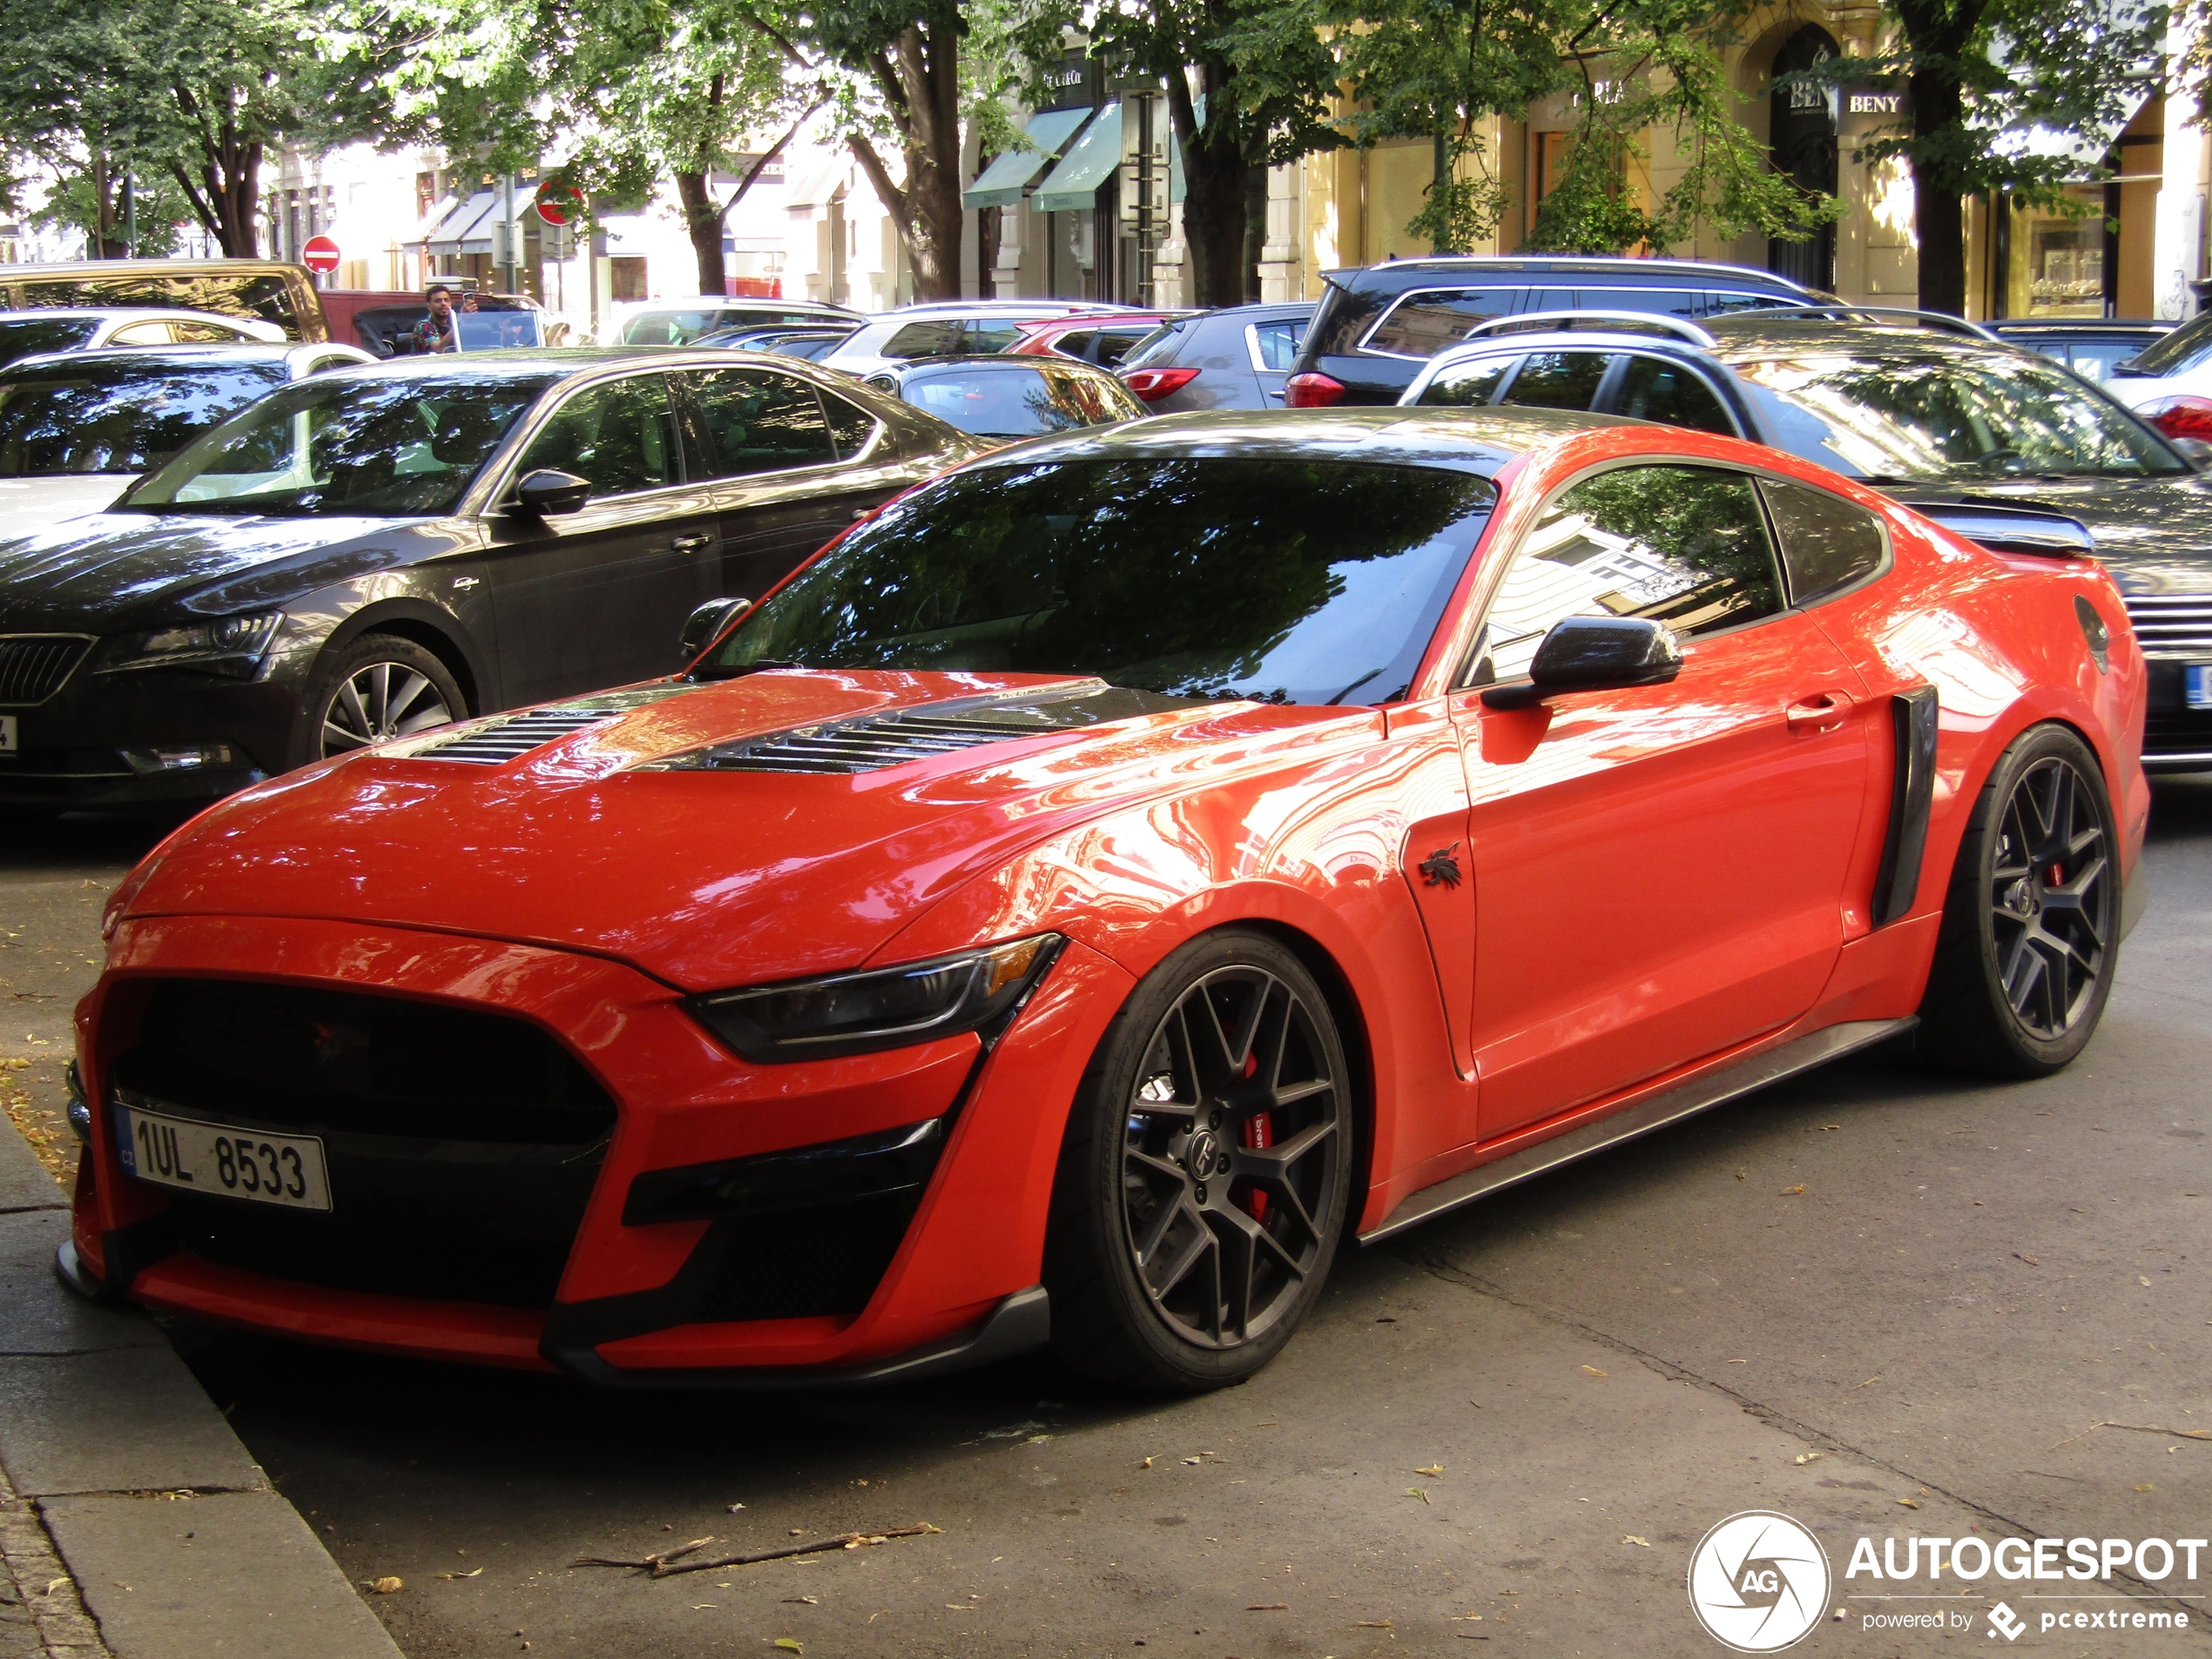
[(742, 670), (1354, 686)]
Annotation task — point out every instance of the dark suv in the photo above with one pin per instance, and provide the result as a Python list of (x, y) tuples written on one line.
[(1996, 442), (1375, 326)]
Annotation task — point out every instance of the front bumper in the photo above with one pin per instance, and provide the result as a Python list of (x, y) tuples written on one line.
[(714, 1298), (147, 739)]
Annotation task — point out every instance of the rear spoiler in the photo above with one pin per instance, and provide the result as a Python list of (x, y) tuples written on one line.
[(2035, 531)]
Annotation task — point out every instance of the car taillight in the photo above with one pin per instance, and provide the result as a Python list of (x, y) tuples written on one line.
[(1310, 391), (1153, 384), (2181, 417)]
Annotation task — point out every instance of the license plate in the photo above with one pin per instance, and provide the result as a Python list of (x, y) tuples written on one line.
[(287, 1169), (8, 738), (2196, 684)]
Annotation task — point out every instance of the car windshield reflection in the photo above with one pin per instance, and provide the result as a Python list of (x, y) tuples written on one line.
[(99, 420), (382, 447), (1282, 580)]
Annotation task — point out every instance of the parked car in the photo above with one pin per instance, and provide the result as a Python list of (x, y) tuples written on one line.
[(31, 333), (1100, 341), (76, 429), (2168, 382), (1004, 396), (380, 551), (784, 339), (950, 328), (1375, 326), (2091, 347), (1233, 359), (260, 290), (682, 322), (1080, 902), (379, 320), (1991, 438)]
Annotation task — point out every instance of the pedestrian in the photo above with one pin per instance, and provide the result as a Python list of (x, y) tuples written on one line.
[(435, 332)]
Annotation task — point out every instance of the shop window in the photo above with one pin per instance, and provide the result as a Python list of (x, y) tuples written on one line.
[(626, 271)]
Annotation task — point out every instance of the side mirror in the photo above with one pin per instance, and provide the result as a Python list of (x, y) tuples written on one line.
[(705, 624), (548, 492), (1593, 654)]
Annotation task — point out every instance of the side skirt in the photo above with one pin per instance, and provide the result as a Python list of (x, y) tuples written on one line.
[(1656, 1111)]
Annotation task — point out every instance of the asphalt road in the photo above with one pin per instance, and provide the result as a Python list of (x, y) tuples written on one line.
[(1881, 1302)]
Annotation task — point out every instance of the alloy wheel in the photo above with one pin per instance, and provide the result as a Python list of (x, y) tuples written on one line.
[(1230, 1145), (378, 701), (2051, 898)]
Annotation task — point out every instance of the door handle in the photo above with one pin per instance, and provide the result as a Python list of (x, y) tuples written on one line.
[(686, 543), (1821, 711)]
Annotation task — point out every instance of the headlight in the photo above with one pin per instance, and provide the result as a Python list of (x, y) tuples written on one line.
[(888, 1008), (233, 645)]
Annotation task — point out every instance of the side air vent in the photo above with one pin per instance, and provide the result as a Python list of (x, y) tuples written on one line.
[(501, 741), (2172, 625), (884, 740)]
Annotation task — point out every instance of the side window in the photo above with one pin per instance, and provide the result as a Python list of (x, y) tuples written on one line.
[(935, 338), (1827, 544), (1720, 305), (142, 333), (979, 336), (1683, 545), (204, 333), (756, 420), (1425, 322), (621, 435), (850, 427), (1075, 344), (1114, 344), (1559, 379), (1275, 344), (1657, 388), (1667, 302), (1467, 384)]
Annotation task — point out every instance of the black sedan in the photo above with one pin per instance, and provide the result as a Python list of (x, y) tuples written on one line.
[(379, 550), (999, 396)]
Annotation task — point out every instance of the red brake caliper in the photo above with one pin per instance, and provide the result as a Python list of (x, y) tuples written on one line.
[(1257, 1132)]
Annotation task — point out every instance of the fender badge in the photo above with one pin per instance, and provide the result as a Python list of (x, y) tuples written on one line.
[(1440, 868)]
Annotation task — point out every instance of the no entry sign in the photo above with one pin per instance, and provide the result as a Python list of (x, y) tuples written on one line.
[(320, 254), (559, 202)]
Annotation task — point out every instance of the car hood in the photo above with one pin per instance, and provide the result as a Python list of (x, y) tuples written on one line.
[(28, 504), (108, 571), (672, 829), (2154, 534)]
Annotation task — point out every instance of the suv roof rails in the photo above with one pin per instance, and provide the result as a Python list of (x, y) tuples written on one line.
[(1620, 322), (1933, 319)]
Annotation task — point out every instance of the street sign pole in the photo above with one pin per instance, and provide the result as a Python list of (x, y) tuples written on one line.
[(507, 218)]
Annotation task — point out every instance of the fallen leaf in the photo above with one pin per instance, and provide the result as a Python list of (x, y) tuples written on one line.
[(1792, 1192), (1457, 1618), (1417, 1492), (1908, 1503), (1268, 1606), (1372, 1625), (1876, 1377), (477, 1572), (1431, 1468), (1035, 1439), (388, 1586), (1193, 1459), (1593, 1371), (2141, 1281), (1630, 1538), (1808, 1457), (802, 1601), (789, 1644), (700, 1607), (1146, 1464), (735, 1507), (2030, 1260), (1825, 1127), (2147, 1487)]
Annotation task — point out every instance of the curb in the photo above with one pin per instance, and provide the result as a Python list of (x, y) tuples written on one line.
[(179, 1546)]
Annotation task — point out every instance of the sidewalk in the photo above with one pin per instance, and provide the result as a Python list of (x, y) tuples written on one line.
[(132, 1522)]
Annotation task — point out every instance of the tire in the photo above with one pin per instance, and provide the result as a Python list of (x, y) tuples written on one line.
[(378, 686), (1206, 1175), (2030, 939)]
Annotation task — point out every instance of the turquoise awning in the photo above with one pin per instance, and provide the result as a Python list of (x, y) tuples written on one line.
[(1178, 188), (1072, 186), (1001, 184)]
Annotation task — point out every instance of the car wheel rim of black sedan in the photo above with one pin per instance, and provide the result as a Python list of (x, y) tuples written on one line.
[(1230, 1143), (378, 701), (2050, 908)]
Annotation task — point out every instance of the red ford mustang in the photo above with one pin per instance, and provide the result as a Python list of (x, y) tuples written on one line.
[(1088, 892)]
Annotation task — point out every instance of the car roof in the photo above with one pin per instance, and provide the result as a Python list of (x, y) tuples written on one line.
[(2079, 325), (1478, 440), (256, 351), (1747, 334), (120, 314), (1026, 363), (1646, 272)]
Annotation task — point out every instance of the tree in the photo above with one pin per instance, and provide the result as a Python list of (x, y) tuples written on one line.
[(1981, 74)]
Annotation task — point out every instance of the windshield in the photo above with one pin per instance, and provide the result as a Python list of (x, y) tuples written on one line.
[(1950, 417), (1010, 402), (1286, 581), (28, 336), (387, 447), (102, 419), (2177, 351)]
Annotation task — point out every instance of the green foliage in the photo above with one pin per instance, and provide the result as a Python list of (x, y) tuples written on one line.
[(74, 204)]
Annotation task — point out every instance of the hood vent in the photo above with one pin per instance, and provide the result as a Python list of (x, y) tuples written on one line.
[(879, 741), (497, 742), (2171, 625)]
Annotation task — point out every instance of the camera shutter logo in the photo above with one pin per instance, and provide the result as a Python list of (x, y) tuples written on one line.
[(1758, 1582)]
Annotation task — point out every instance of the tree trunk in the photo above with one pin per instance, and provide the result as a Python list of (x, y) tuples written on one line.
[(1938, 210), (106, 244), (703, 223), (1255, 229), (928, 62), (1215, 175)]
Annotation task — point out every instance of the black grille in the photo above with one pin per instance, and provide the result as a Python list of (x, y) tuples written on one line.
[(2172, 623), (827, 1259), (33, 666), (462, 1146), (509, 739), (882, 740), (2177, 732)]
